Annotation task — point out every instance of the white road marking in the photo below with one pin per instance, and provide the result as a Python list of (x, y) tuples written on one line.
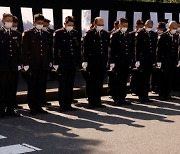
[(18, 149), (2, 137)]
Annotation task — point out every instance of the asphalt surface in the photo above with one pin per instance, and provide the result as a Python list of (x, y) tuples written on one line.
[(152, 128)]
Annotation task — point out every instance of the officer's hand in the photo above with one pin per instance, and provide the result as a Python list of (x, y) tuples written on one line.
[(137, 64), (178, 64), (50, 65), (159, 64), (56, 67), (26, 68), (19, 68), (84, 65), (112, 66)]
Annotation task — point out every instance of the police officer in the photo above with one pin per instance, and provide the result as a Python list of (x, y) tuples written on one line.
[(95, 57), (110, 82), (67, 57), (15, 28), (146, 41), (167, 59), (9, 65), (134, 76), (161, 28), (46, 26), (116, 27), (37, 56), (121, 61)]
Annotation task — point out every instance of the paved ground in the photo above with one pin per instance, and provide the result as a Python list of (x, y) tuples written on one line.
[(152, 128)]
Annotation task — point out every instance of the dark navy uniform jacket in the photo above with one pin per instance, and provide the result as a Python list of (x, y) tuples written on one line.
[(10, 50), (37, 49)]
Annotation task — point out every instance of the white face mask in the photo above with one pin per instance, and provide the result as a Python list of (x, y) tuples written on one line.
[(39, 27), (124, 29), (173, 31), (44, 28), (149, 29), (69, 28), (160, 31), (99, 28), (8, 25), (14, 28), (178, 30)]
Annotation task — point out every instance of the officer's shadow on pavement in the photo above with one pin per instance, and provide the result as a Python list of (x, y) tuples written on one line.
[(155, 110), (48, 136), (136, 115), (89, 119), (164, 108)]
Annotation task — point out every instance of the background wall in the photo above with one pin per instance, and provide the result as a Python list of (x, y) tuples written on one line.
[(85, 11)]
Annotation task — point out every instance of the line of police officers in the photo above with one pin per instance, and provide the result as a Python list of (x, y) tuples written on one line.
[(40, 50)]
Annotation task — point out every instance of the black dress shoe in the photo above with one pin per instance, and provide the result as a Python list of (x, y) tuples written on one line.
[(74, 101), (90, 106), (63, 109), (46, 104), (125, 102), (40, 110), (71, 108), (33, 112), (18, 107), (100, 106), (13, 113)]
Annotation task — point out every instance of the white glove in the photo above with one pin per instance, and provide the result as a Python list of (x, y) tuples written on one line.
[(50, 65), (178, 64), (26, 67), (159, 64), (19, 68), (56, 67), (84, 65), (137, 64), (112, 66)]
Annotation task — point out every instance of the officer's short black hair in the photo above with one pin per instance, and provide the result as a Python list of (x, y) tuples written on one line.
[(139, 22), (47, 20), (38, 17), (116, 23), (5, 15), (161, 25), (69, 19), (96, 19), (123, 20), (15, 19)]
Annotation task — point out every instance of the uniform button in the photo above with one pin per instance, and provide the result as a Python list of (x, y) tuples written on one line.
[(70, 40), (41, 49), (71, 49), (101, 52), (10, 50), (11, 55), (101, 45), (101, 48), (10, 41), (72, 53), (41, 41), (10, 45), (41, 54)]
